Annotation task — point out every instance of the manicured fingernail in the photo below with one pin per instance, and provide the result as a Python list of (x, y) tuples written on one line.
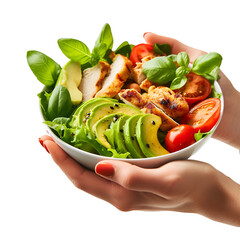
[(105, 169), (45, 147), (41, 141)]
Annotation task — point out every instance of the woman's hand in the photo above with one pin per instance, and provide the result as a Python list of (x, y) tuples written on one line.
[(228, 130), (184, 186)]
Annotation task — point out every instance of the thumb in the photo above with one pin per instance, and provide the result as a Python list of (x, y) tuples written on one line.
[(152, 38), (132, 177)]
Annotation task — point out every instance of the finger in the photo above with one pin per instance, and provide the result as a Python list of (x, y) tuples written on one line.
[(82, 178), (44, 138), (136, 178), (176, 46)]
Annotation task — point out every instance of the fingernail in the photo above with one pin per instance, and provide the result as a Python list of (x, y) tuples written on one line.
[(41, 141), (105, 169), (45, 147), (145, 34)]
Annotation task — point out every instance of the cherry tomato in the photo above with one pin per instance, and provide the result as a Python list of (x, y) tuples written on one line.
[(196, 89), (140, 51), (204, 115), (179, 137)]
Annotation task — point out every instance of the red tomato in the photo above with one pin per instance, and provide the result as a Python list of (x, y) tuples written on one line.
[(179, 137), (204, 115), (196, 89), (140, 51)]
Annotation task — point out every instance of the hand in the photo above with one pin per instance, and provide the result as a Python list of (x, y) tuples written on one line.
[(228, 130), (184, 186)]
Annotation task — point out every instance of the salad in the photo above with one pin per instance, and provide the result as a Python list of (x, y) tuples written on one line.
[(136, 101)]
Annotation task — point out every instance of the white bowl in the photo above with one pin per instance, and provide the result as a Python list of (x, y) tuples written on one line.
[(89, 160)]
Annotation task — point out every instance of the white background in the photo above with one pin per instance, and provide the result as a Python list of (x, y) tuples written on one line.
[(36, 199)]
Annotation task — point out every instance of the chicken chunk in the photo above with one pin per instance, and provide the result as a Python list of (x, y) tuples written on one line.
[(167, 122), (92, 80), (134, 98), (138, 75), (121, 69), (173, 104)]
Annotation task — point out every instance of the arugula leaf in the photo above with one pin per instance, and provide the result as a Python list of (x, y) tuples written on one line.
[(105, 36), (163, 49), (43, 67), (198, 136), (43, 100), (178, 82), (75, 50), (59, 104), (160, 69)]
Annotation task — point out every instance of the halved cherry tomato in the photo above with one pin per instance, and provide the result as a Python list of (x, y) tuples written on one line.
[(204, 115), (196, 89), (179, 137), (140, 51)]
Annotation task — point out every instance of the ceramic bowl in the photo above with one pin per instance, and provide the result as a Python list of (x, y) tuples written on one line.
[(89, 160)]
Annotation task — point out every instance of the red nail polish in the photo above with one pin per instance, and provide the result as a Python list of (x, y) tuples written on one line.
[(45, 147), (145, 34), (41, 141), (105, 169)]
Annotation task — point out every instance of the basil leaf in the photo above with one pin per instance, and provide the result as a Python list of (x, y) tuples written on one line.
[(178, 82), (124, 49), (98, 53), (198, 136), (163, 49), (183, 59), (173, 57), (160, 69), (60, 104), (105, 36), (44, 68), (181, 71), (207, 64), (75, 50)]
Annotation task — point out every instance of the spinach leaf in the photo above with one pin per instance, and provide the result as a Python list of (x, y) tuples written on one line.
[(207, 64), (198, 136), (160, 69), (178, 82), (124, 49), (105, 36), (75, 50), (162, 49), (60, 104), (43, 67), (183, 59)]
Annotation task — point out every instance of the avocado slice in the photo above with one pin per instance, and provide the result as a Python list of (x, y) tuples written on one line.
[(129, 132), (147, 135), (70, 77), (85, 111), (101, 126), (104, 109), (118, 134)]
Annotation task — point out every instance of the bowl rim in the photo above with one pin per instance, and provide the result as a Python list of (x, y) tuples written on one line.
[(171, 155)]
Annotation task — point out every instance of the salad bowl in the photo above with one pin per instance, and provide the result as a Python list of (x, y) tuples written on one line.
[(89, 160)]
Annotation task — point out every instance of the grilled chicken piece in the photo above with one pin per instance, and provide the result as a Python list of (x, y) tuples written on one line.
[(167, 122), (146, 84), (138, 75), (92, 80), (174, 105), (134, 98), (121, 69)]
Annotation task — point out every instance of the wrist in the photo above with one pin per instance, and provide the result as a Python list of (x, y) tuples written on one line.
[(219, 199)]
